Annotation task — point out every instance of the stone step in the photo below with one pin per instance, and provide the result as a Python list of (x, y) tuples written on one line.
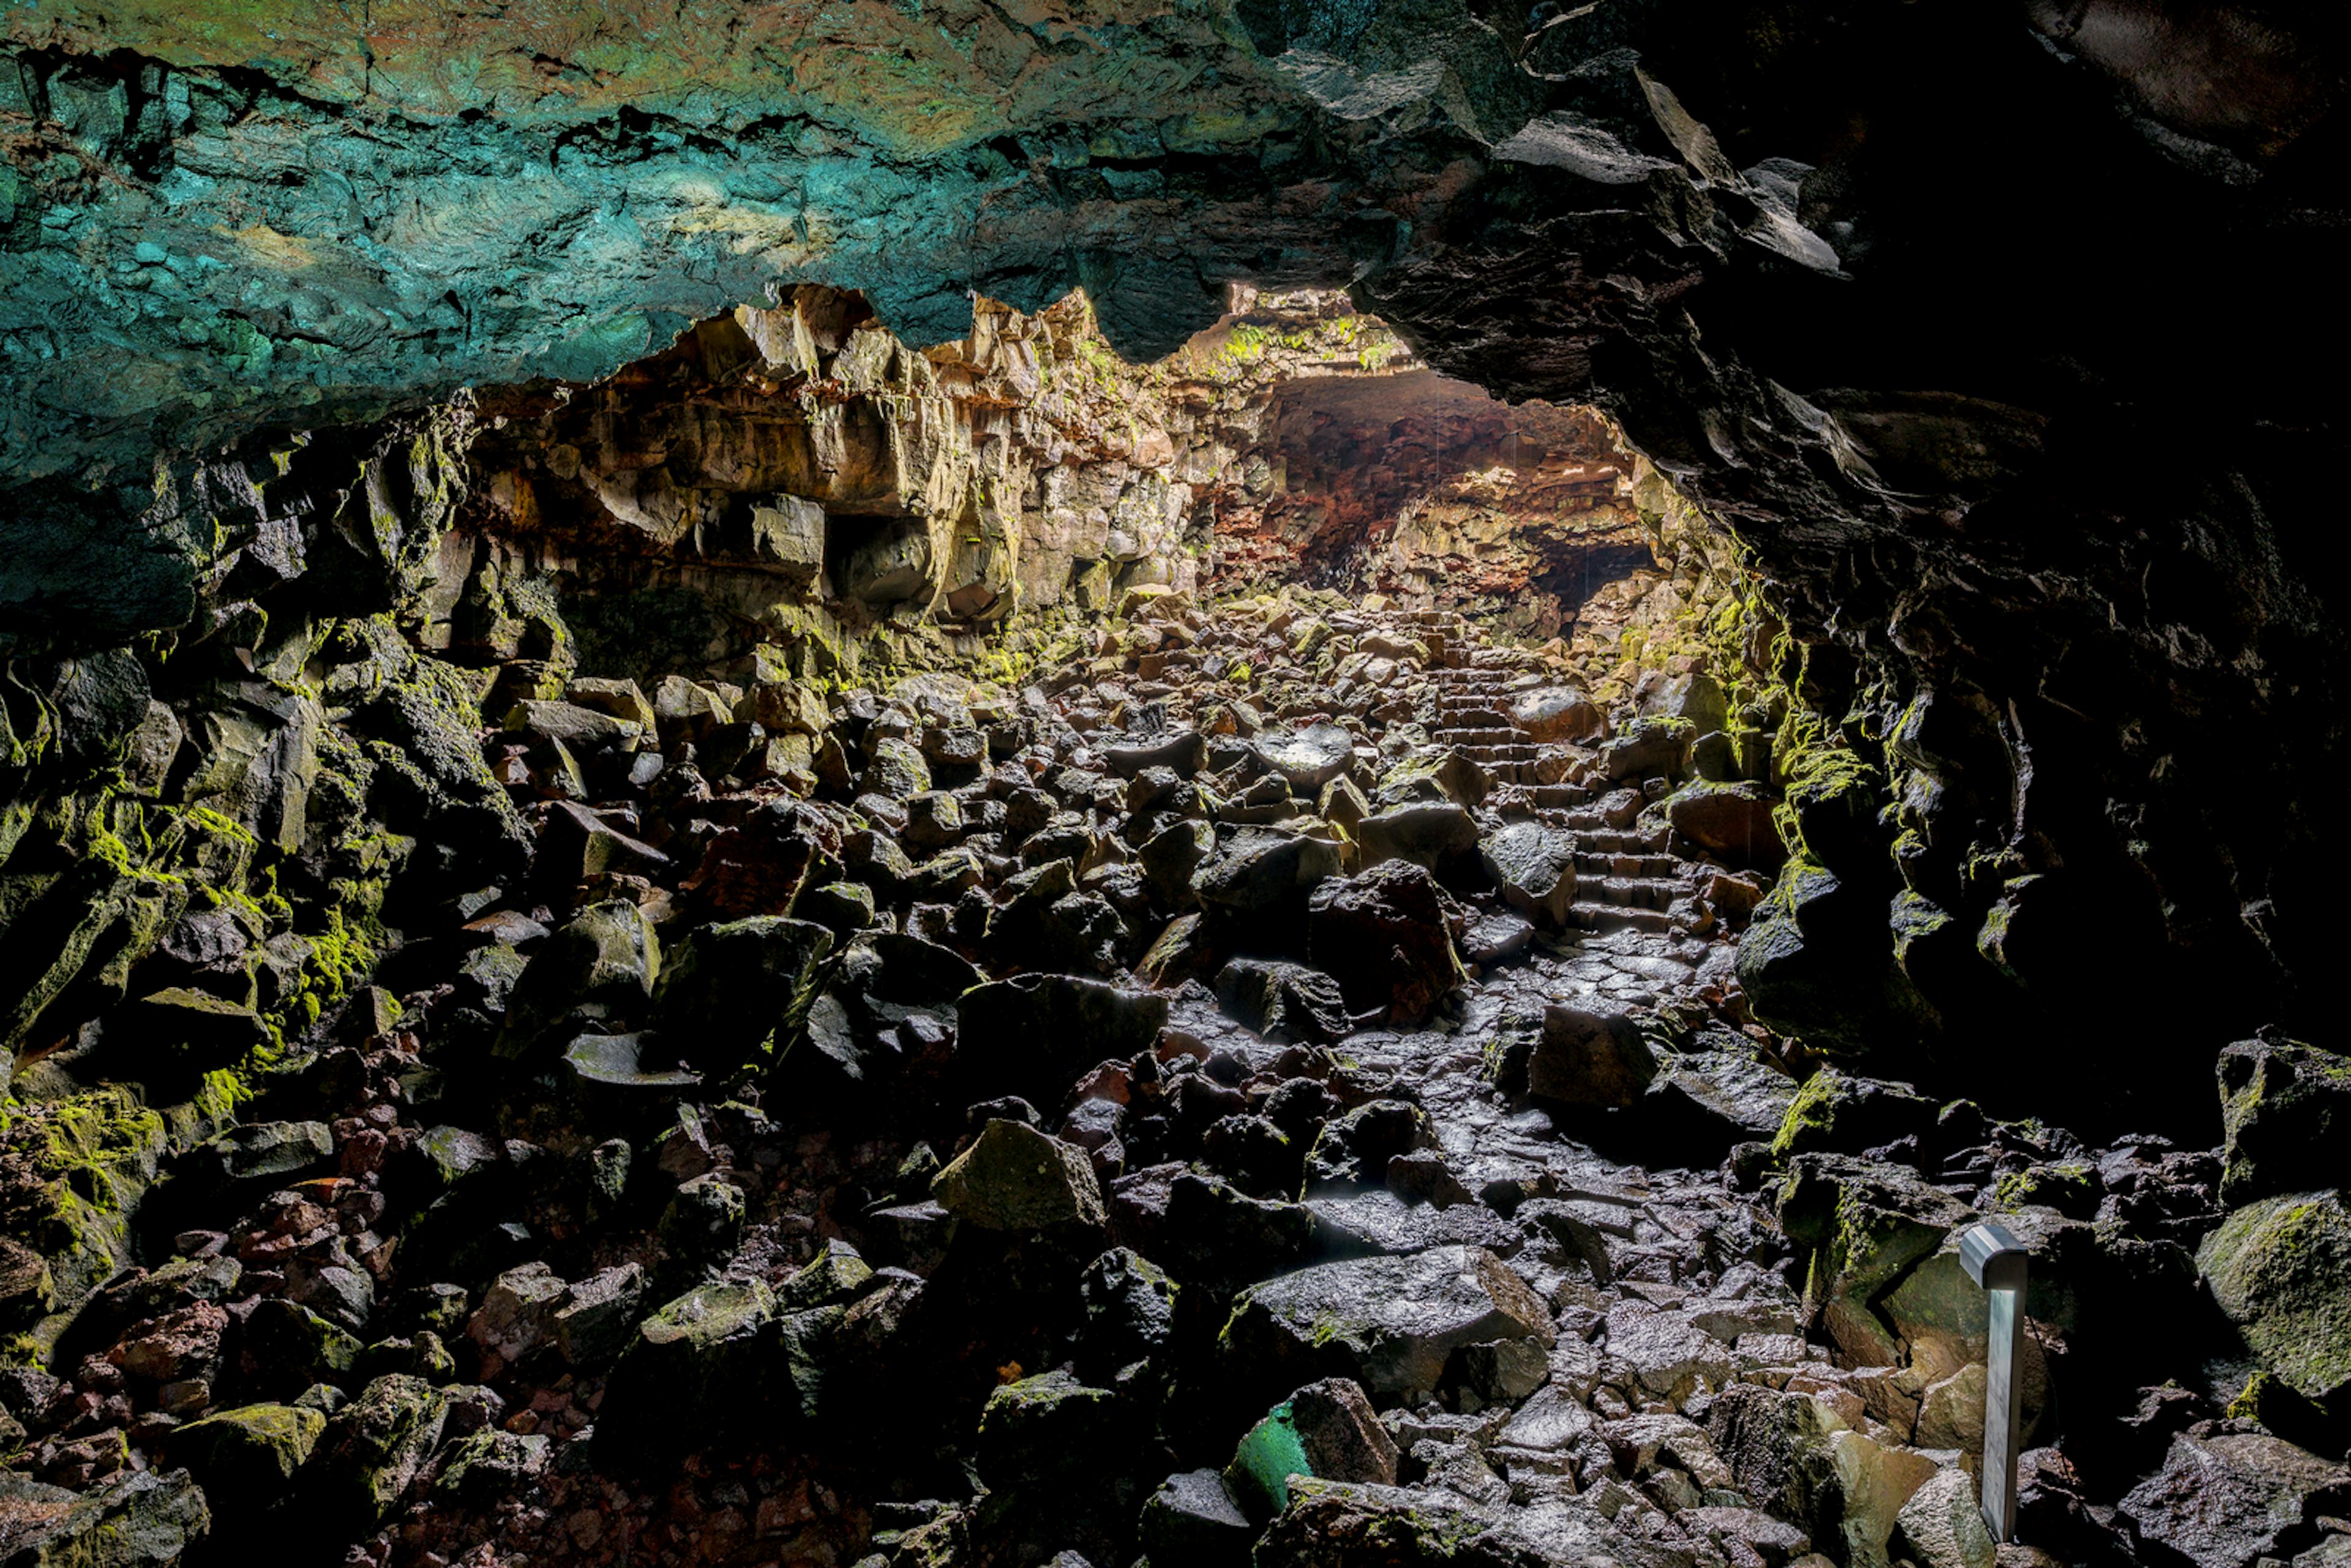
[(1629, 892), (1611, 918), (1635, 863)]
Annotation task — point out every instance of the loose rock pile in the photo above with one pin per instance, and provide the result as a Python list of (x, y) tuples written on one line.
[(1274, 1084)]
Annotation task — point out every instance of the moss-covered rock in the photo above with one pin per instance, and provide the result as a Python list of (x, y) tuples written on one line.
[(372, 1450), (1837, 1111), (698, 1357), (603, 963), (292, 1347), (732, 990), (1014, 1177), (2281, 1269), (245, 1458), (2285, 1109), (132, 1520)]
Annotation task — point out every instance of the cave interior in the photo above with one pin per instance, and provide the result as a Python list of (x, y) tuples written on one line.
[(1118, 784)]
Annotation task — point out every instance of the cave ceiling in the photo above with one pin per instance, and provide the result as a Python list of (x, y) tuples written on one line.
[(1997, 332)]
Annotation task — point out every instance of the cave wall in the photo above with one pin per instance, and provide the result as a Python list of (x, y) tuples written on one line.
[(1996, 334)]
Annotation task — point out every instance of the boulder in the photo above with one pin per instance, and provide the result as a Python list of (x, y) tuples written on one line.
[(1389, 1323), (2281, 1270), (1181, 752), (1014, 1177), (2285, 1109), (2231, 1499), (602, 965), (1818, 962), (1192, 1519), (133, 1519), (1387, 936), (897, 771), (1732, 822), (245, 1458), (1435, 774), (1652, 749), (1838, 1111), (1034, 1034), (732, 989), (699, 1366), (1590, 1059), (760, 867), (1557, 713), (1534, 867), (1284, 1003), (295, 1347), (256, 1153), (1438, 835), (1129, 1310), (1261, 870), (1942, 1525), (372, 1448), (1866, 1224), (1307, 758), (490, 1464)]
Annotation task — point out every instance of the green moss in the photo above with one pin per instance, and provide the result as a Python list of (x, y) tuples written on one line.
[(1809, 1117)]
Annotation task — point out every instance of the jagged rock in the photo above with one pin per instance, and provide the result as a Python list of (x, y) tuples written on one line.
[(1192, 1519), (761, 867), (1942, 1525), (729, 988), (1866, 1224), (1387, 1323), (1387, 937), (577, 844), (1590, 1059), (600, 965), (1440, 836), (256, 1152), (1818, 962), (295, 1347), (487, 1465), (372, 1450), (599, 1315), (1440, 774), (622, 1077), (1014, 1177), (1535, 866), (898, 770), (132, 1520), (1837, 1111), (1656, 748), (1306, 758), (1031, 1035), (1283, 1002), (1183, 753), (1732, 821), (1130, 1309), (1557, 713), (695, 1364), (2229, 1500), (2281, 1270), (1261, 870), (2284, 1106), (245, 1458), (1326, 1430)]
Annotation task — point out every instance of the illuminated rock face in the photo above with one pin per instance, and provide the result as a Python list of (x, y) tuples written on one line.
[(1929, 361)]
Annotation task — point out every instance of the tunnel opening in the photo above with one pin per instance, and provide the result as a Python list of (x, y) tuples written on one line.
[(791, 760)]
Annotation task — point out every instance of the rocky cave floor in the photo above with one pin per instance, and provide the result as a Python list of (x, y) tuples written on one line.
[(1171, 1111)]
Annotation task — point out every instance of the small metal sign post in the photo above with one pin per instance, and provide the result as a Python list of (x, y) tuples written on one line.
[(1996, 1261)]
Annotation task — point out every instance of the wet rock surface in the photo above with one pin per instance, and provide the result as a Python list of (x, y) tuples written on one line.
[(1068, 1127)]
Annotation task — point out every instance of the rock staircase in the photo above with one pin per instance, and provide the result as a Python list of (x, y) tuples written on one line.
[(1625, 879)]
